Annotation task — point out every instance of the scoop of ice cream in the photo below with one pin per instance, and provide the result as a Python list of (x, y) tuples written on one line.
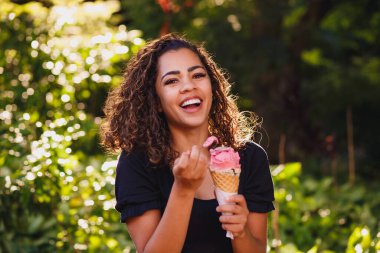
[(224, 158), (212, 140)]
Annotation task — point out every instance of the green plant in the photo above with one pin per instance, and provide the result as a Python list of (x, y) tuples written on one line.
[(56, 66), (316, 216)]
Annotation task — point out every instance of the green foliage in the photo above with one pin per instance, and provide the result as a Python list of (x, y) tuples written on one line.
[(298, 64), (317, 216), (56, 66)]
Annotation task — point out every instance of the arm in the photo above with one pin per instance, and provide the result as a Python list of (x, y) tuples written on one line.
[(249, 228), (255, 237), (152, 233)]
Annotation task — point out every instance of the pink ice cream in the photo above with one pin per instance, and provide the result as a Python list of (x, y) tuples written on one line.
[(223, 158), (225, 171), (210, 141)]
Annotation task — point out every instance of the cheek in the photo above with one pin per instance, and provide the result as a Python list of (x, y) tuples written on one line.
[(165, 102), (211, 96)]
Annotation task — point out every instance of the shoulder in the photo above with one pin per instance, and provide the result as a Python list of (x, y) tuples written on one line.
[(253, 151), (254, 161), (133, 156), (255, 180), (137, 188), (132, 160), (133, 167)]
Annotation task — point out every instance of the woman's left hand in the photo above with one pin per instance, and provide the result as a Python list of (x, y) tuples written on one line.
[(234, 215)]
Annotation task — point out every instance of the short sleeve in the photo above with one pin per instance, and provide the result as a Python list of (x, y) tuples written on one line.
[(255, 180), (136, 187)]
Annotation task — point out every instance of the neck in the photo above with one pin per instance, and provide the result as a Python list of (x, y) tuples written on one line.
[(185, 140)]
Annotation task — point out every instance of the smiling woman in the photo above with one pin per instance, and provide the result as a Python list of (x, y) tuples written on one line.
[(172, 99), (184, 90)]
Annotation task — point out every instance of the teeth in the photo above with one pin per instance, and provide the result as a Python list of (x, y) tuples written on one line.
[(191, 102)]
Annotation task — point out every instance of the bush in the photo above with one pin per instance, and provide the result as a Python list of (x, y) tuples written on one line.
[(56, 66), (57, 187), (317, 216)]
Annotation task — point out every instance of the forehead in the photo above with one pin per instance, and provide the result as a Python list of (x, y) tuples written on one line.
[(180, 59)]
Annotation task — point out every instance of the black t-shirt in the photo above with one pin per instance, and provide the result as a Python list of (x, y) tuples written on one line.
[(140, 187)]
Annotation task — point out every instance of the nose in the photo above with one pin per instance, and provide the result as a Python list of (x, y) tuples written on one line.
[(187, 85)]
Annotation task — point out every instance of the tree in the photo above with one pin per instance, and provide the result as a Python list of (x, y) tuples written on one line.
[(56, 65), (298, 64)]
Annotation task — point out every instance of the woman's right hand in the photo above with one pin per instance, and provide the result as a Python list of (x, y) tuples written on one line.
[(189, 169)]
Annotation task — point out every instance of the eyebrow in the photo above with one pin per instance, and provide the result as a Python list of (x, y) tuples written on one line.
[(176, 72)]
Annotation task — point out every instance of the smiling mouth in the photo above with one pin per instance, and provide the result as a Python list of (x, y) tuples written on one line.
[(191, 103)]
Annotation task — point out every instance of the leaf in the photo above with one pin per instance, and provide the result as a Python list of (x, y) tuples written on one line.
[(360, 237), (314, 249), (289, 248), (292, 169), (36, 223)]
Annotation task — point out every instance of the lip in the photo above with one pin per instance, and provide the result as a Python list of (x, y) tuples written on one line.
[(191, 109), (189, 98)]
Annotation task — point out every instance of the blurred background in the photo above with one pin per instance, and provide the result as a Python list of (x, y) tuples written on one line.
[(309, 68)]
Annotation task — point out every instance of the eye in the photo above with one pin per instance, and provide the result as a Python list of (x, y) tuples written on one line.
[(199, 75), (170, 81)]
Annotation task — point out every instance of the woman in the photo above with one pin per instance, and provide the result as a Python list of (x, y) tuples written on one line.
[(172, 98)]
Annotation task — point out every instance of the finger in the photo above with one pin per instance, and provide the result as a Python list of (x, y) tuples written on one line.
[(203, 162), (229, 208), (201, 166), (232, 219), (177, 160), (194, 156), (235, 229), (238, 199), (184, 157), (183, 160)]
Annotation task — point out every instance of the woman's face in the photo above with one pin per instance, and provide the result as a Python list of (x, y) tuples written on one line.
[(184, 89)]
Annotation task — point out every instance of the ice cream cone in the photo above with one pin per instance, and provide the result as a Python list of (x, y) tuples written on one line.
[(225, 171), (227, 182)]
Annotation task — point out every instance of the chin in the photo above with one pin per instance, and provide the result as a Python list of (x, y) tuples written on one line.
[(193, 124)]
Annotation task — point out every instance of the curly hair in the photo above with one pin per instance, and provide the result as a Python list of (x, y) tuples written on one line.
[(133, 122)]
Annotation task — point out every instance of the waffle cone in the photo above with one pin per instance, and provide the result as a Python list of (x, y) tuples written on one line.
[(225, 182)]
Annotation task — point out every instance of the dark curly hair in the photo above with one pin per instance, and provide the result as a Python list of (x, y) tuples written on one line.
[(132, 121)]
